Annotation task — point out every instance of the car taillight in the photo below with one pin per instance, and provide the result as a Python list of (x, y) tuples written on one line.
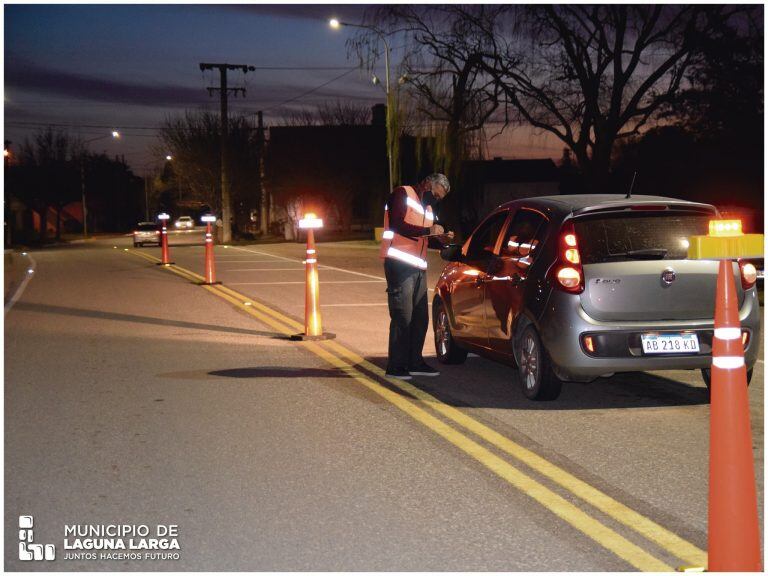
[(748, 275), (569, 274)]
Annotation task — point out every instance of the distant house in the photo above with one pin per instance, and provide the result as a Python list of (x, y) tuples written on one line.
[(488, 183)]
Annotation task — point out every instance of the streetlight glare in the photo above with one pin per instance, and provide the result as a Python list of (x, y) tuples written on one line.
[(334, 23), (6, 152), (169, 157), (115, 134)]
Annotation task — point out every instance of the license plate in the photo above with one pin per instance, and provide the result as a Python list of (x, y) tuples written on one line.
[(669, 343)]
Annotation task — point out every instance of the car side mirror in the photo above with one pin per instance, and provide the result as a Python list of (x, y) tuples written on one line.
[(451, 253)]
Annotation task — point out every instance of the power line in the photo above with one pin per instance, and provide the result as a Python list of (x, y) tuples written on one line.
[(308, 92)]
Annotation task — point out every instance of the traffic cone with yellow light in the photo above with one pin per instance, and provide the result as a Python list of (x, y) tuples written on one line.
[(734, 535), (166, 259), (210, 266), (313, 326)]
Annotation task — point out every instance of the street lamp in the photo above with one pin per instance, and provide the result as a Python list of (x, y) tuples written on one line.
[(114, 134), (336, 24)]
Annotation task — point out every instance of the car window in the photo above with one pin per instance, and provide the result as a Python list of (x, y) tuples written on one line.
[(525, 233), (147, 227), (626, 237), (484, 239)]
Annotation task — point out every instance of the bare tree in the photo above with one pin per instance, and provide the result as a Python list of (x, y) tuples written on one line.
[(336, 113), (592, 75), (441, 69)]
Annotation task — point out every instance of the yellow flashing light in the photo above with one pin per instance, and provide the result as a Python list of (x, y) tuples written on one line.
[(725, 228), (310, 220)]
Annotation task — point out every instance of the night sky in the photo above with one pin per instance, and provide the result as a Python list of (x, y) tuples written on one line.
[(93, 68)]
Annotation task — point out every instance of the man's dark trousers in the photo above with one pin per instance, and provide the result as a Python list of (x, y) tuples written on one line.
[(408, 313)]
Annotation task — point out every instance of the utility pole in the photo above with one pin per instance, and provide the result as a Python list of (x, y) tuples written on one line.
[(265, 207), (226, 204)]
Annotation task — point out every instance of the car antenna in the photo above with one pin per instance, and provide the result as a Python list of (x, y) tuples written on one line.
[(631, 186)]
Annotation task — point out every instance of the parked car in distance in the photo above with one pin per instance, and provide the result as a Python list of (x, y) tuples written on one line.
[(571, 288), (184, 222), (146, 233)]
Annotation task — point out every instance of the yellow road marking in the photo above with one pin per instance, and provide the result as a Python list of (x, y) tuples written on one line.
[(552, 501)]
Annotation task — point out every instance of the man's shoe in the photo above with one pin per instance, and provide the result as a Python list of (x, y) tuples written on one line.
[(399, 373), (423, 369)]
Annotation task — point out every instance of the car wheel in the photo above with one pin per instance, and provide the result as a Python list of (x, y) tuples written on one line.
[(136, 244), (535, 368), (448, 352), (706, 375)]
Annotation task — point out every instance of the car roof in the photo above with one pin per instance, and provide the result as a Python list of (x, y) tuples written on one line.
[(569, 203)]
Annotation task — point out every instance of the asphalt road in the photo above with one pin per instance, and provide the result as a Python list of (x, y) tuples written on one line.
[(135, 396)]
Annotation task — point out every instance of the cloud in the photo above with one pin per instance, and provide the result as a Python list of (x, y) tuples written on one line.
[(27, 75)]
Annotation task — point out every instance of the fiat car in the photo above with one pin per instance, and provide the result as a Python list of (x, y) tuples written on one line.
[(571, 288)]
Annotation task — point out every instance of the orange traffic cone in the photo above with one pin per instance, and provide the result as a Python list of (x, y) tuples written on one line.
[(313, 325), (166, 260), (210, 266), (734, 536)]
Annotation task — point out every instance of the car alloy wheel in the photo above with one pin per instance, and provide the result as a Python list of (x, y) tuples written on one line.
[(535, 368), (448, 352), (443, 334), (529, 362)]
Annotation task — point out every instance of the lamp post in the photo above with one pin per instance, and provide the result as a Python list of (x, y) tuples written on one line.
[(153, 164), (336, 24), (114, 134)]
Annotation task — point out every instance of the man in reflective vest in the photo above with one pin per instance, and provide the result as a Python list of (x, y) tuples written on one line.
[(409, 226)]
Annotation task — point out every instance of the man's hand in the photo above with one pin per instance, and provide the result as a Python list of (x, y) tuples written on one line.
[(436, 230), (448, 235)]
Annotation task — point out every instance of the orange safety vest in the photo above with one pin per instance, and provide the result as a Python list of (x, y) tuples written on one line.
[(412, 251)]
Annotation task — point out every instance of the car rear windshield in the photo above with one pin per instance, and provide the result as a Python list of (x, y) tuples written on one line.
[(638, 235), (146, 227)]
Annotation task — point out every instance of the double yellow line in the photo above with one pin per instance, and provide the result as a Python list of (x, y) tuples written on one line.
[(350, 363)]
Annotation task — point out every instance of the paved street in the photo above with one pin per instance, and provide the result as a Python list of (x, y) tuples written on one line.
[(135, 396)]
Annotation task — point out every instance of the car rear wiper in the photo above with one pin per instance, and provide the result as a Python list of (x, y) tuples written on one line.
[(645, 254)]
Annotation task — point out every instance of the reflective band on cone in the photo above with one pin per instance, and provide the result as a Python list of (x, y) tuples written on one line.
[(728, 333), (728, 362)]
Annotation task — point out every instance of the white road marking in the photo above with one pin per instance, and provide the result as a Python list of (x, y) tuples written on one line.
[(354, 305), (245, 261), (304, 282), (20, 290), (322, 266), (264, 269)]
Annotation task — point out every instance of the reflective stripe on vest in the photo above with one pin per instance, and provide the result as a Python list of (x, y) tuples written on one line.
[(412, 251), (393, 252)]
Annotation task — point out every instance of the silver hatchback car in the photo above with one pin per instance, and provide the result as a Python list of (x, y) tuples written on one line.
[(570, 288)]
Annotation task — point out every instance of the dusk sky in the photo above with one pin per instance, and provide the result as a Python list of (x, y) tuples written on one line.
[(93, 68)]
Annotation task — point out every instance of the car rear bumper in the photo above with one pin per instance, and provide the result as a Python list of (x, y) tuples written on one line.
[(618, 343)]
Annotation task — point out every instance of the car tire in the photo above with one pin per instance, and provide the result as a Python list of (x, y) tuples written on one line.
[(136, 244), (448, 352), (537, 378), (706, 375)]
